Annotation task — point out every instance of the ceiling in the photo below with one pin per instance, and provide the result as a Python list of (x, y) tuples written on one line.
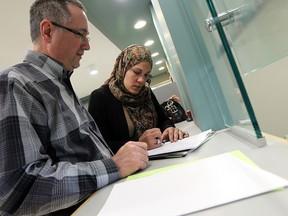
[(116, 20)]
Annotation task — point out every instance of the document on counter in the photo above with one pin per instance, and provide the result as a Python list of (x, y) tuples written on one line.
[(182, 147), (192, 187)]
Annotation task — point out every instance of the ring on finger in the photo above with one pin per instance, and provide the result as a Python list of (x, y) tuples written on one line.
[(157, 141)]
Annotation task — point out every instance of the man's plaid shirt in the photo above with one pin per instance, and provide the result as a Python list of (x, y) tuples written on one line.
[(51, 151)]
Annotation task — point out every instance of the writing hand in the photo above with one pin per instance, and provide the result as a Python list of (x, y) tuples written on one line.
[(152, 137), (131, 157)]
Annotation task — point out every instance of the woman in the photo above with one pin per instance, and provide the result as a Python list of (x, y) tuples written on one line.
[(124, 108)]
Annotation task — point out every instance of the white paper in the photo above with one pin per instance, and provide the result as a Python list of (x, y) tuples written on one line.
[(191, 142), (189, 188)]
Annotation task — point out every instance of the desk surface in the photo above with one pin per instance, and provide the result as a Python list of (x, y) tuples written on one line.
[(273, 158)]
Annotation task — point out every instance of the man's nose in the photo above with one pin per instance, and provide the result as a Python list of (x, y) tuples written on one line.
[(86, 45)]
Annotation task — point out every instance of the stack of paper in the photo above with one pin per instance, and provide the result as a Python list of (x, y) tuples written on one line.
[(182, 147), (191, 187)]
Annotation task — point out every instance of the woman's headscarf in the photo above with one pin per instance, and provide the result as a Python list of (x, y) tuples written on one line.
[(140, 106)]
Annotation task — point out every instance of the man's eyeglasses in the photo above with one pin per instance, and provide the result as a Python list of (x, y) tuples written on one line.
[(81, 35)]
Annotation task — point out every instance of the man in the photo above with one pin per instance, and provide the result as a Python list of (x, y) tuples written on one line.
[(52, 154)]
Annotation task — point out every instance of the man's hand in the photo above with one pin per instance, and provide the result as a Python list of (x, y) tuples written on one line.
[(131, 157)]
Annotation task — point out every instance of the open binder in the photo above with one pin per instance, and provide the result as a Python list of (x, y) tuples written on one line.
[(181, 148)]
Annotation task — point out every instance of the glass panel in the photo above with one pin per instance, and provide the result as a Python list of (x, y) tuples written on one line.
[(258, 35), (228, 86), (219, 18)]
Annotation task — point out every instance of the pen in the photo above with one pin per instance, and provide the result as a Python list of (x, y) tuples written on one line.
[(144, 127), (159, 142), (164, 141), (157, 139)]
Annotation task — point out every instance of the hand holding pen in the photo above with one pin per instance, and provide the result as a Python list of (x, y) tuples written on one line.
[(152, 137)]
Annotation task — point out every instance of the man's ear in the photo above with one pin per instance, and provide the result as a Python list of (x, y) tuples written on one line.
[(46, 29)]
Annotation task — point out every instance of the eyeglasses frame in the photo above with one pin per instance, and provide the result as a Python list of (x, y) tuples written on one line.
[(81, 35)]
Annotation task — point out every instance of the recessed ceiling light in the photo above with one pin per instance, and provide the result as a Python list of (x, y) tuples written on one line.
[(140, 24), (149, 42), (155, 54), (158, 62), (93, 72), (161, 68)]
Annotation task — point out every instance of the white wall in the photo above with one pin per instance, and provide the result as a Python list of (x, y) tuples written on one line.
[(268, 92), (163, 92)]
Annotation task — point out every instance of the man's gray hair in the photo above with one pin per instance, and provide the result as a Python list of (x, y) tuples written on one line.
[(54, 10)]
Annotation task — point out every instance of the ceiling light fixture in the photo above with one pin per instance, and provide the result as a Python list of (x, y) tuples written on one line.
[(149, 43), (93, 72), (140, 24), (161, 68), (158, 62), (155, 54)]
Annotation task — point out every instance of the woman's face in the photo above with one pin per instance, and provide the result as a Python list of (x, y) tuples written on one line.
[(136, 77)]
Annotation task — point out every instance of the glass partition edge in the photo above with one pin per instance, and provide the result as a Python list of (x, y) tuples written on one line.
[(235, 70)]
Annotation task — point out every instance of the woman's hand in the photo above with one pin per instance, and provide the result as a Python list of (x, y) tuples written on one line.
[(152, 137), (174, 134)]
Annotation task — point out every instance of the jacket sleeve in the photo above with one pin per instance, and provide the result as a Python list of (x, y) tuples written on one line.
[(99, 110), (109, 116)]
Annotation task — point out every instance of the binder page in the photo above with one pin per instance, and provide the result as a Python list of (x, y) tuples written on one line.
[(188, 143)]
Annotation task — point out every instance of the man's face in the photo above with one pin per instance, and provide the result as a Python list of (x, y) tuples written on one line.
[(68, 47)]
